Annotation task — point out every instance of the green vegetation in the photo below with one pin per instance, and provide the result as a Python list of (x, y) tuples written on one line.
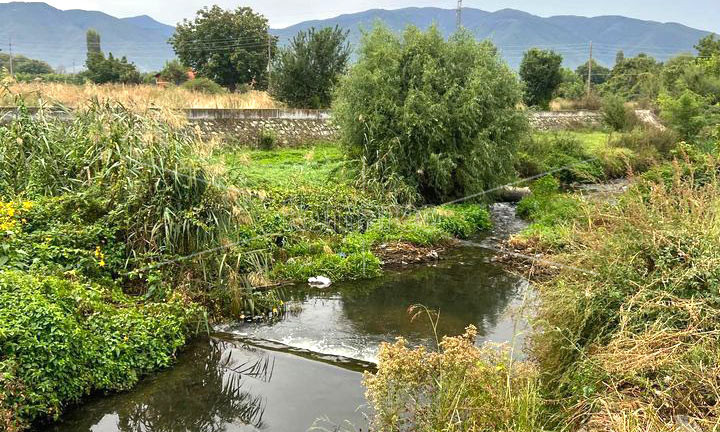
[(25, 66), (541, 73), (235, 64), (101, 70), (307, 71), (203, 85), (428, 117), (62, 340)]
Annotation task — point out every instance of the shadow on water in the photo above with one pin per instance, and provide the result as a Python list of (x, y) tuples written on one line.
[(227, 385)]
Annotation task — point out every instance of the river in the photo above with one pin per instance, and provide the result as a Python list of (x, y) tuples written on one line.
[(304, 371)]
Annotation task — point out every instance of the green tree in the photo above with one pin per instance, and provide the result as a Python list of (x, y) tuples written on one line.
[(708, 46), (684, 113), (619, 57), (24, 65), (600, 73), (228, 47), (101, 70), (635, 78), (616, 114), (174, 72), (571, 87), (307, 71), (541, 72), (430, 117)]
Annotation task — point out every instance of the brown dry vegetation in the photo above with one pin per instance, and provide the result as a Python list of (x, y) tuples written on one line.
[(138, 97)]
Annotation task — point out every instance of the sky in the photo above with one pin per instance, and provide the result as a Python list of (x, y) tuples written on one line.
[(702, 14)]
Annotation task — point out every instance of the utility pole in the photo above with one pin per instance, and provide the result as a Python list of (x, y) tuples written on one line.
[(269, 68), (589, 78), (459, 15), (11, 58)]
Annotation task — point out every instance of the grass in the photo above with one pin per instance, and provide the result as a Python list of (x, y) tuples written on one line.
[(136, 97)]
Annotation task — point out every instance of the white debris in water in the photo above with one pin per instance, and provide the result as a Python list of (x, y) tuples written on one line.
[(319, 282)]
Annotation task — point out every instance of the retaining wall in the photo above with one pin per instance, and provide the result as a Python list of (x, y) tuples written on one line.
[(296, 127)]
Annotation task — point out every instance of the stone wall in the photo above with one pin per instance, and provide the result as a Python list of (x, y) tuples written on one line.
[(557, 120), (290, 127)]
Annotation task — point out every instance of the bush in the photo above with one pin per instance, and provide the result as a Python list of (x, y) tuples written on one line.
[(267, 139), (203, 85), (460, 388), (62, 340), (436, 118), (683, 114), (617, 115)]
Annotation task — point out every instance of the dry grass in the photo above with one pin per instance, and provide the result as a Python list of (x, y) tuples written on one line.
[(136, 97)]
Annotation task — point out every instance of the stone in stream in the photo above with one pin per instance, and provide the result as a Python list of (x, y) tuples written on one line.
[(321, 282)]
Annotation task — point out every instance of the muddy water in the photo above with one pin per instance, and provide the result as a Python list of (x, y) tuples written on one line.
[(304, 370)]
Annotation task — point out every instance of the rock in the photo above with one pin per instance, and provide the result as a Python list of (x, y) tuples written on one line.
[(433, 255), (319, 282)]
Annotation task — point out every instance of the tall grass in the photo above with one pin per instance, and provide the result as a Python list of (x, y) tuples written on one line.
[(634, 343), (136, 97)]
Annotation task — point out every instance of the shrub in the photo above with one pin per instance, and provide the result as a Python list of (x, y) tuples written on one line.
[(617, 115), (684, 114), (203, 85), (430, 116), (460, 388), (267, 139), (61, 340)]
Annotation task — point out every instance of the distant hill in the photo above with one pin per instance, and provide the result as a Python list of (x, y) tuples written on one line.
[(58, 37), (514, 32)]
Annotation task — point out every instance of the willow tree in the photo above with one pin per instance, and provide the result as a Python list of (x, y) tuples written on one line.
[(430, 117)]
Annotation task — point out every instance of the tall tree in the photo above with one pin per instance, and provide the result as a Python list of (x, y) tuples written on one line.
[(542, 74), (619, 57), (428, 116), (228, 46), (307, 71), (101, 70)]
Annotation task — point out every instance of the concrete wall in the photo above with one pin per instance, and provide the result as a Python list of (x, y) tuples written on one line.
[(557, 120)]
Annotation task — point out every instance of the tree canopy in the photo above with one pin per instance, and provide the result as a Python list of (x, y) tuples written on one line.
[(229, 47), (541, 72), (599, 75), (101, 70), (430, 117), (309, 68)]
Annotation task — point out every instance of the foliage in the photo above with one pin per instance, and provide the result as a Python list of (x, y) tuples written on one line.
[(131, 175), (174, 72), (428, 116), (243, 60), (617, 115), (60, 340), (101, 70), (568, 155), (630, 343), (459, 388), (635, 78), (307, 71), (540, 70), (708, 46), (599, 74), (23, 65), (203, 85), (571, 87), (684, 114)]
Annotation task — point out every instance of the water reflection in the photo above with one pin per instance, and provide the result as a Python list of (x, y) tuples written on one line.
[(352, 319), (222, 385)]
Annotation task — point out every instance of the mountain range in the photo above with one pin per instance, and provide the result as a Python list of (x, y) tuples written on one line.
[(41, 31)]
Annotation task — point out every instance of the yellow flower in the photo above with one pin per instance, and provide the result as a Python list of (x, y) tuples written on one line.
[(48, 239), (102, 263), (27, 205), (11, 212), (275, 311)]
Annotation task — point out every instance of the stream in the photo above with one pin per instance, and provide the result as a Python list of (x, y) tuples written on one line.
[(304, 371)]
